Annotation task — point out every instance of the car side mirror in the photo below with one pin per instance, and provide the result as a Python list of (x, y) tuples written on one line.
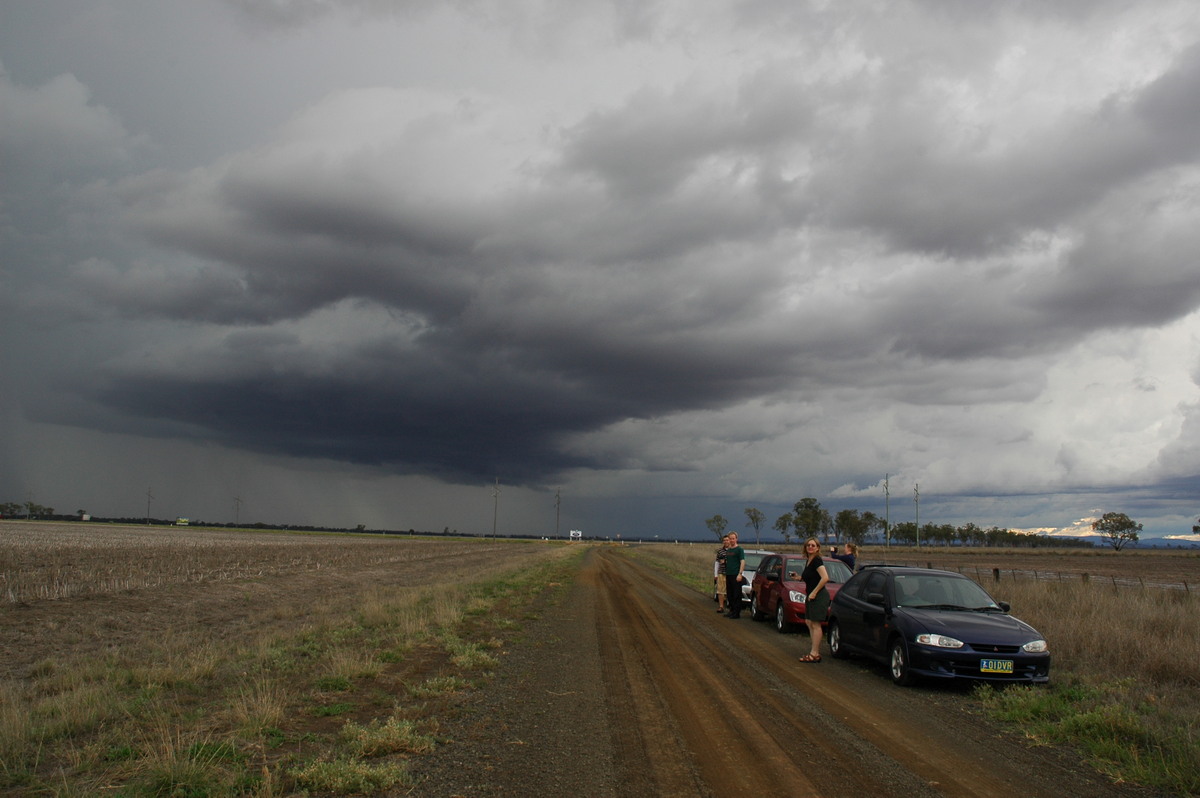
[(1004, 605), (773, 576), (875, 598)]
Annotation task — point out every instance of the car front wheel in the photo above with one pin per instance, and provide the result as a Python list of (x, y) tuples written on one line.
[(756, 614), (835, 641), (898, 662), (781, 624)]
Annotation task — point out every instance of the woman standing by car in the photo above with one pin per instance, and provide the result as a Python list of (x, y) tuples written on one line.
[(816, 603)]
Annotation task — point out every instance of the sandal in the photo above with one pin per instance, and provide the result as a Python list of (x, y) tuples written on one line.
[(811, 658)]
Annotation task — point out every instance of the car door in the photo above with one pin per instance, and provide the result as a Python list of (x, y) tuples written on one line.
[(761, 586), (856, 616), (875, 625)]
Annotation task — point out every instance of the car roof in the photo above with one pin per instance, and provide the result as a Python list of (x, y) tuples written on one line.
[(910, 570)]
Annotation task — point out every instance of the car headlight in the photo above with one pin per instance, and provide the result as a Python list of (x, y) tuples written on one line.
[(1035, 647), (797, 596), (939, 641)]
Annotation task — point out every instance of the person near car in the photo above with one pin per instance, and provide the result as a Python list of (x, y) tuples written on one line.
[(719, 573), (816, 602), (735, 564), (849, 555)]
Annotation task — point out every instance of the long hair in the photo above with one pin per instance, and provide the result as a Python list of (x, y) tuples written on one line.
[(818, 551)]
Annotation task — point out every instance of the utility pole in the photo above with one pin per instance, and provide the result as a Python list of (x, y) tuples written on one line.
[(495, 505), (917, 505), (149, 497), (557, 510), (237, 510), (887, 510)]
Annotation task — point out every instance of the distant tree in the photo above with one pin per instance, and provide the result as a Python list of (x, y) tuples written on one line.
[(755, 520), (874, 524), (810, 519), (851, 527), (9, 508), (717, 525), (1196, 527), (905, 533), (938, 533), (1118, 528), (783, 525), (34, 510)]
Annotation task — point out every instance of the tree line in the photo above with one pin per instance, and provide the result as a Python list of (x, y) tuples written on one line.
[(809, 519)]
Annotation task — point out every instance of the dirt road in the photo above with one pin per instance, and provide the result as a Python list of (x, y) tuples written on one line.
[(633, 685)]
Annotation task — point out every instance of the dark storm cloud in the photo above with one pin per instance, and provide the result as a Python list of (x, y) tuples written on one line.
[(450, 403), (746, 251)]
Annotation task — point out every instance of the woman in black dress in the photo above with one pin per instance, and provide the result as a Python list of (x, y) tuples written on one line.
[(816, 605)]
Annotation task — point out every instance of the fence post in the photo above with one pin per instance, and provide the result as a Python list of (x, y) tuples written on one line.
[(996, 575)]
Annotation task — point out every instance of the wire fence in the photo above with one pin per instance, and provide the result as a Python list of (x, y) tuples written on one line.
[(992, 576)]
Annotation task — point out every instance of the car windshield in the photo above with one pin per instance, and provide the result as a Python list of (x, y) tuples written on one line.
[(941, 591), (752, 561), (838, 571)]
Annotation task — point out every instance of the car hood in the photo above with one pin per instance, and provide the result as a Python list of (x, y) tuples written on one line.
[(978, 627)]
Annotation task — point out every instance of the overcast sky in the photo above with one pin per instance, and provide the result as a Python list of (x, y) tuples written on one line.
[(310, 261)]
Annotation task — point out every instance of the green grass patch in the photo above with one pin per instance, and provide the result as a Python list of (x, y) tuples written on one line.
[(1128, 739), (332, 710), (351, 776), (333, 684), (393, 736)]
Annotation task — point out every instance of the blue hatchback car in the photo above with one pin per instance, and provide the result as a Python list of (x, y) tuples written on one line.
[(938, 624)]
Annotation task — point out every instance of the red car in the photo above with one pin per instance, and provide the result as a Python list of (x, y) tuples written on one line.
[(778, 593)]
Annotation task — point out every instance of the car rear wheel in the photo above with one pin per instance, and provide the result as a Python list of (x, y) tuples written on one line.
[(835, 641), (781, 624), (898, 664)]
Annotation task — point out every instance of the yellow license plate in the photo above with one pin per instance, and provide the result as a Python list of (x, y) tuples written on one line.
[(995, 666)]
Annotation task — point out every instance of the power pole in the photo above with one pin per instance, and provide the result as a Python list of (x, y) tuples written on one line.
[(149, 497), (887, 510), (237, 510), (495, 506), (557, 511), (917, 505)]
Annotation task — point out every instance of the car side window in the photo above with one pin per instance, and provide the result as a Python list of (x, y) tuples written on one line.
[(875, 584), (853, 587)]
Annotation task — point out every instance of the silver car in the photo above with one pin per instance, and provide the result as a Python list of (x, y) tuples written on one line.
[(753, 558)]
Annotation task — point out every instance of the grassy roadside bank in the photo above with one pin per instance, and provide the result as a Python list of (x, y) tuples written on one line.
[(337, 705), (1125, 683)]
